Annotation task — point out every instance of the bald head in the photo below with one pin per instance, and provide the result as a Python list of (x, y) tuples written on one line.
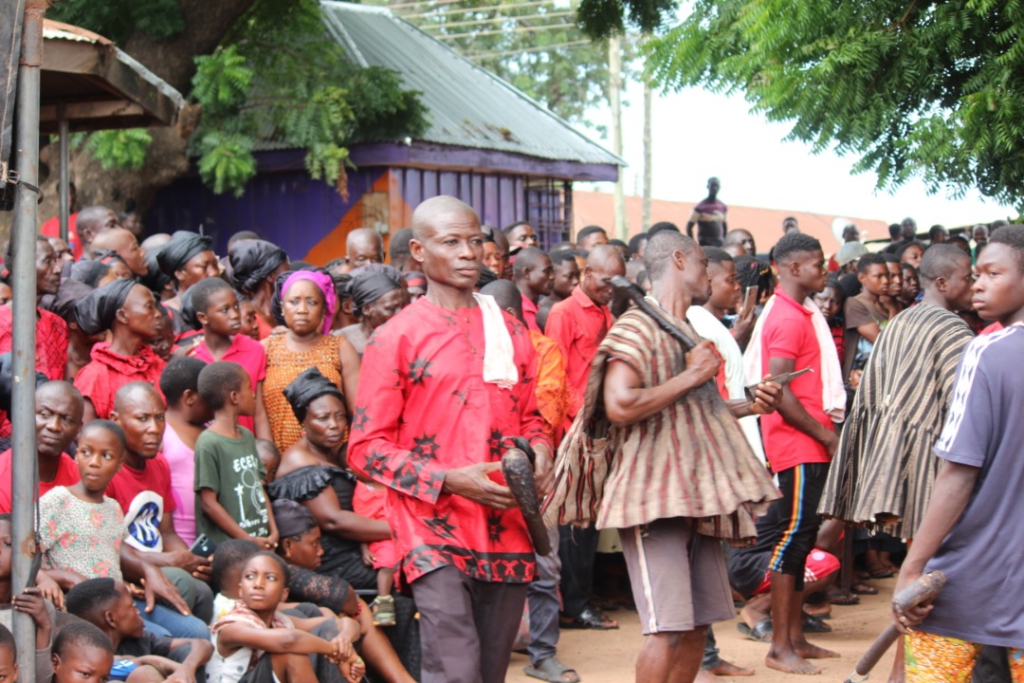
[(508, 297), (62, 389), (529, 259), (941, 261), (92, 220), (364, 246), (661, 249), (124, 244), (133, 394), (59, 407), (605, 255), (436, 209), (603, 263), (155, 241)]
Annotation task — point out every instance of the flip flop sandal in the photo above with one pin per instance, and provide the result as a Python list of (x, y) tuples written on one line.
[(761, 633), (844, 599), (881, 572), (860, 588), (553, 671), (812, 624)]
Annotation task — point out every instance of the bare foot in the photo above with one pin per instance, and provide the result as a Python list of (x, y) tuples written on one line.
[(725, 668), (791, 663), (808, 651), (820, 610)]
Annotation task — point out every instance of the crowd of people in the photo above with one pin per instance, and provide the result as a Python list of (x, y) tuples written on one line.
[(253, 468)]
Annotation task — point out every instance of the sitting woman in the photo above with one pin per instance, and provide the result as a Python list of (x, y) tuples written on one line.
[(377, 295), (314, 472), (256, 641), (306, 303), (129, 311), (300, 547)]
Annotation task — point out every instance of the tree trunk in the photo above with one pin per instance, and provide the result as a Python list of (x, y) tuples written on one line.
[(615, 99), (648, 155), (206, 24)]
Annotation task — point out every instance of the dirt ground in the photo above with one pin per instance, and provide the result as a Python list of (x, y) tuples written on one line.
[(608, 657)]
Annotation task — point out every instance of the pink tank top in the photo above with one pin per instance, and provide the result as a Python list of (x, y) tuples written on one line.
[(182, 460)]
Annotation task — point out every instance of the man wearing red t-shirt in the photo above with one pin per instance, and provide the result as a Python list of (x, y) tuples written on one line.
[(58, 418), (579, 325), (142, 487), (799, 441)]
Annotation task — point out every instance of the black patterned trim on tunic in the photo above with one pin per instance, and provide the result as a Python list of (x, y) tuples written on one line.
[(492, 567)]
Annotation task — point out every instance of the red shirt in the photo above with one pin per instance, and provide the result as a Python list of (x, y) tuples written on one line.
[(423, 408), (108, 371), (67, 475), (263, 328), (248, 353), (51, 341), (145, 497), (579, 326), (51, 228), (789, 333), (530, 314)]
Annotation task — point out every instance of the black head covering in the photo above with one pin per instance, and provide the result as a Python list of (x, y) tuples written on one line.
[(7, 381), (306, 388), (155, 280), (186, 320), (292, 518), (252, 261), (183, 247), (69, 294), (95, 313), (366, 288), (89, 272), (487, 276)]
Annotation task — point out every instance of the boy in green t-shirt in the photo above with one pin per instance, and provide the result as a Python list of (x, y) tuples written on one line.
[(229, 494)]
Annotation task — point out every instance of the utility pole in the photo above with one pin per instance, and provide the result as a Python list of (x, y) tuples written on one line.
[(615, 99), (645, 220)]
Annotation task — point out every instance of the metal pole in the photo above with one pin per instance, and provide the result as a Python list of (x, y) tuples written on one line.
[(23, 236), (65, 174)]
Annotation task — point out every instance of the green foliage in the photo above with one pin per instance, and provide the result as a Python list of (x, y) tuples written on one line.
[(120, 148), (603, 18), (222, 81), (538, 49), (226, 161), (118, 19), (914, 88)]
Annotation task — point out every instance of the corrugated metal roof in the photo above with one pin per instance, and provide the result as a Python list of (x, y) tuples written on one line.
[(469, 106)]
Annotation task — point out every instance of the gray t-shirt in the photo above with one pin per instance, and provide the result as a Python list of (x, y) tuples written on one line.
[(983, 556)]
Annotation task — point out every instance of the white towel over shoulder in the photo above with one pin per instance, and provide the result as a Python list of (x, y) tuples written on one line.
[(499, 354), (833, 392)]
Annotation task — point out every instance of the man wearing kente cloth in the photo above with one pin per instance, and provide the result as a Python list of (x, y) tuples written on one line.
[(658, 454), (441, 383)]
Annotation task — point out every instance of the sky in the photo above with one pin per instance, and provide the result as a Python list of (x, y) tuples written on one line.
[(698, 134)]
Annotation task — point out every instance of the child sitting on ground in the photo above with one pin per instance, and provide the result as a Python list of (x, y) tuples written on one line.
[(255, 637), (31, 602), (231, 501), (109, 606), (81, 654), (370, 500)]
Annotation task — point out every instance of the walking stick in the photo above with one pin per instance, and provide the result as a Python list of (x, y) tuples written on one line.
[(922, 590)]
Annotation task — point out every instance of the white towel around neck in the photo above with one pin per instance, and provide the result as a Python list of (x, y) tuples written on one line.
[(499, 354), (833, 392)]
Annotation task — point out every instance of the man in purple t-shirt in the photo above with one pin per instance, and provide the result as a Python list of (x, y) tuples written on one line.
[(709, 215), (971, 529)]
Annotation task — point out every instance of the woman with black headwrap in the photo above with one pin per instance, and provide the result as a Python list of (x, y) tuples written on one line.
[(376, 298), (255, 266), (314, 472), (187, 258), (305, 302), (79, 343), (129, 311), (301, 548)]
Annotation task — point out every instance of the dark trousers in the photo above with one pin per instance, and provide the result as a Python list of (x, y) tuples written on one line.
[(467, 627), (577, 548)]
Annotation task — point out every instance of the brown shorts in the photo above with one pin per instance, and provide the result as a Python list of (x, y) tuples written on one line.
[(678, 577)]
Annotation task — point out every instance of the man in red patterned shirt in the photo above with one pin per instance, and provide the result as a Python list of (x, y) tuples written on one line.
[(442, 383)]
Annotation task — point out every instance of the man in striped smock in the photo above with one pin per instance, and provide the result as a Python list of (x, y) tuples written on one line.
[(680, 476)]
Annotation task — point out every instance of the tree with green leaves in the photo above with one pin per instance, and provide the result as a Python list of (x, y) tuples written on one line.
[(914, 88), (253, 71)]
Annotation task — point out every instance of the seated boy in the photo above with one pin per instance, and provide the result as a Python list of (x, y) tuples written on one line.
[(82, 654), (108, 605), (231, 501)]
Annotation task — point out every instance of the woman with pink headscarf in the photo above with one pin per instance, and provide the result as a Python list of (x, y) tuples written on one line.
[(304, 301)]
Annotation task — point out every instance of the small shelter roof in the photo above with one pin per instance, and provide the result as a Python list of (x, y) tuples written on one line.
[(469, 106), (99, 86)]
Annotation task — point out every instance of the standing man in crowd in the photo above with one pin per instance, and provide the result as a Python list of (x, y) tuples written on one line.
[(682, 478), (364, 246), (534, 277), (520, 236), (591, 236), (579, 324), (800, 438), (709, 215), (437, 393)]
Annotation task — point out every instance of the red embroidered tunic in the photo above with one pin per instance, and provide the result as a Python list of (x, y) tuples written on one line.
[(108, 371), (423, 408)]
